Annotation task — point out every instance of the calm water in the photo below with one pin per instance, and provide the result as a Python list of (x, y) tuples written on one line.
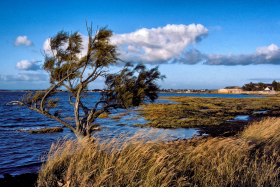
[(21, 152)]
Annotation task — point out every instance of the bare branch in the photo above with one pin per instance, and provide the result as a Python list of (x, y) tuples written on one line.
[(49, 91), (13, 103), (76, 108), (85, 109), (96, 105), (71, 103), (46, 114), (85, 81)]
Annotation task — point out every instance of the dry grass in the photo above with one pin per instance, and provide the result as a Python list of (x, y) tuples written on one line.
[(248, 159), (68, 119), (47, 130), (130, 119), (116, 118), (103, 115)]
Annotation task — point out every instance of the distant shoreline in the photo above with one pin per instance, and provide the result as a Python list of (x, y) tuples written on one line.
[(38, 91), (204, 92)]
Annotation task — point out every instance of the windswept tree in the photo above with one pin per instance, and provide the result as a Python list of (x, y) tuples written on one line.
[(68, 68)]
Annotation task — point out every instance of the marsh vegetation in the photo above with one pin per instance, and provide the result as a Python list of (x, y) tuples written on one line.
[(189, 112), (250, 158), (241, 153)]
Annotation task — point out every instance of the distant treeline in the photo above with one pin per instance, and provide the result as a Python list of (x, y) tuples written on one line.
[(2, 90), (261, 86)]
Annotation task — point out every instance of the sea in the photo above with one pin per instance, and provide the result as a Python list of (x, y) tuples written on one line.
[(22, 152)]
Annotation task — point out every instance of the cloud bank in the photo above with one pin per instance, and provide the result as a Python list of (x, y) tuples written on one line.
[(22, 40), (168, 44), (158, 45), (190, 57), (24, 77), (28, 65), (262, 55)]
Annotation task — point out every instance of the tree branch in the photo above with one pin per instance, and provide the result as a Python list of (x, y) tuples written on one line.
[(70, 102), (76, 108), (44, 113), (94, 114), (85, 81), (85, 109), (41, 106)]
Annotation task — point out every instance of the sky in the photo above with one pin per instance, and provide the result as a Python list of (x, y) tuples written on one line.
[(197, 44)]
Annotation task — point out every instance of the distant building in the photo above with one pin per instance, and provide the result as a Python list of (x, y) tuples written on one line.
[(269, 88), (230, 90)]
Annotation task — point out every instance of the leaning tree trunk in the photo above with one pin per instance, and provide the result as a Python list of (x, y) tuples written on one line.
[(81, 130)]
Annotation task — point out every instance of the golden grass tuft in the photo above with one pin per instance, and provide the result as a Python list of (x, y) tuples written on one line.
[(47, 130), (68, 119), (116, 118), (124, 114), (103, 115), (130, 119), (248, 159)]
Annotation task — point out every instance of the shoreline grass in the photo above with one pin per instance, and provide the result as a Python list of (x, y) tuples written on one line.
[(250, 158), (46, 130)]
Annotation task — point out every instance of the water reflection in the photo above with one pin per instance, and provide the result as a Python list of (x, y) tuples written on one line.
[(111, 128), (260, 112), (241, 118)]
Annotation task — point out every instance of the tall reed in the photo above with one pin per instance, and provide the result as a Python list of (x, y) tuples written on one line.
[(248, 159)]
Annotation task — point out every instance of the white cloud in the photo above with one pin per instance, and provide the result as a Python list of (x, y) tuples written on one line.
[(24, 77), (262, 55), (190, 57), (85, 45), (47, 47), (158, 45), (133, 49), (168, 44), (28, 65), (22, 40)]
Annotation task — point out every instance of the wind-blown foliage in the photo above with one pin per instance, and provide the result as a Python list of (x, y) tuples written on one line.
[(69, 69), (250, 158), (130, 90)]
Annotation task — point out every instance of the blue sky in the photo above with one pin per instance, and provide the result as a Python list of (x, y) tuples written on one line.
[(197, 44)]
